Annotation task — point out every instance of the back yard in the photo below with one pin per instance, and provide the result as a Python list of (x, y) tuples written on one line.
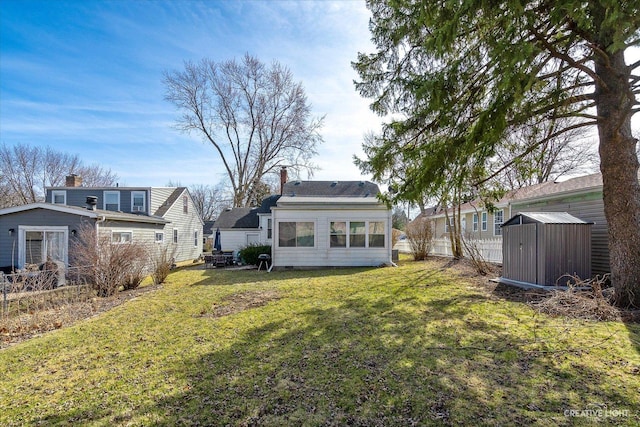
[(414, 345)]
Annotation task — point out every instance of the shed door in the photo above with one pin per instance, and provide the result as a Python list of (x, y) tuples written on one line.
[(521, 249)]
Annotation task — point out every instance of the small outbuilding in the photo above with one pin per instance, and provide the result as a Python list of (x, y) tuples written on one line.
[(545, 249)]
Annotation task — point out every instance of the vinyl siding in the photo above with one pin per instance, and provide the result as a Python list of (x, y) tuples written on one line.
[(78, 196), (186, 224), (235, 239), (588, 207), (35, 217), (321, 255), (159, 196)]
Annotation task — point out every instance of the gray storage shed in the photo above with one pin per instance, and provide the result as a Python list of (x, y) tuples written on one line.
[(540, 248)]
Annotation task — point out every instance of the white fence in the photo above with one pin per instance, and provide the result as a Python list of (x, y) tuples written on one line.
[(490, 249)]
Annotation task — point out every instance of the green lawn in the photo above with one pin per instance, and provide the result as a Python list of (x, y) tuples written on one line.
[(414, 345)]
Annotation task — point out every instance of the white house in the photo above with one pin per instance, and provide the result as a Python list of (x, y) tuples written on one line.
[(314, 224)]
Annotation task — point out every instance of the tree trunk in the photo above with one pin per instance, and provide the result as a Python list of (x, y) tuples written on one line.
[(619, 167)]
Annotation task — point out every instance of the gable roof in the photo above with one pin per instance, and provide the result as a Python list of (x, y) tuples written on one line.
[(238, 218), (330, 189), (95, 214), (175, 195)]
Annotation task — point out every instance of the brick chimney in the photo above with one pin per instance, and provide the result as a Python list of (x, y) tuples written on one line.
[(283, 178), (73, 180)]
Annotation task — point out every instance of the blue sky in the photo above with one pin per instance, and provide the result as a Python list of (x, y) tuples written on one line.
[(85, 77)]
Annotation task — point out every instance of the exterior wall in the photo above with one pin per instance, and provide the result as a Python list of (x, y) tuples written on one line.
[(235, 239), (158, 196), (78, 196), (141, 233), (9, 244), (321, 255), (440, 232), (188, 247), (588, 207)]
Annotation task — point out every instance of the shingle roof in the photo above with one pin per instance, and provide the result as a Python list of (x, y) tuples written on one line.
[(268, 203), (238, 218), (170, 201), (330, 189)]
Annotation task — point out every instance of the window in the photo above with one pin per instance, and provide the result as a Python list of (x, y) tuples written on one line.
[(498, 219), (484, 221), (59, 197), (449, 224), (185, 204), (112, 200), (296, 234), (357, 234), (121, 236), (269, 228), (195, 238), (338, 234), (159, 237), (175, 235), (463, 224), (39, 244), (475, 222), (137, 201), (376, 234)]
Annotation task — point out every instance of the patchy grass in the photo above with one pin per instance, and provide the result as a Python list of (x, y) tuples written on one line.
[(414, 345)]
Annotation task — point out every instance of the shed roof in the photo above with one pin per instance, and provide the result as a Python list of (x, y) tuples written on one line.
[(543, 218)]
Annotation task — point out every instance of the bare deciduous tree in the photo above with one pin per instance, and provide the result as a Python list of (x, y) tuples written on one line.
[(256, 117), (209, 200), (26, 170)]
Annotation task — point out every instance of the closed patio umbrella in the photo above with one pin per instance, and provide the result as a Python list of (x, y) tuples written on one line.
[(217, 243)]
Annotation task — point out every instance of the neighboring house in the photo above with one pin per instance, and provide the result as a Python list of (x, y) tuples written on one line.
[(208, 233), (165, 217), (240, 227), (580, 197), (314, 224)]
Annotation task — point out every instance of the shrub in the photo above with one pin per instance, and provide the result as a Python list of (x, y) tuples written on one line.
[(108, 265), (249, 254), (162, 264), (420, 236)]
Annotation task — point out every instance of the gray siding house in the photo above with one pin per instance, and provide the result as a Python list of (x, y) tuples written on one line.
[(580, 197), (164, 217)]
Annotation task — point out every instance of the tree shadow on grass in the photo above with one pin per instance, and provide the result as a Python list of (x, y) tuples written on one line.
[(373, 362)]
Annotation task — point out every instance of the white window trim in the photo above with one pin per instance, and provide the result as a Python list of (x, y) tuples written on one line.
[(366, 235), (496, 223), (55, 193), (22, 229), (144, 200), (485, 221), (104, 199), (276, 232), (195, 238), (175, 236), (475, 222), (121, 232), (155, 235)]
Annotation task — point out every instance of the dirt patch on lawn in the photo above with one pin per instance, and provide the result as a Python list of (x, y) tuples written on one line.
[(15, 329), (236, 303)]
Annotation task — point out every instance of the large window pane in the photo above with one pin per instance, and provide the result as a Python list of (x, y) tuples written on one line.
[(33, 247), (287, 234), (376, 234), (305, 234), (338, 235), (357, 233)]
